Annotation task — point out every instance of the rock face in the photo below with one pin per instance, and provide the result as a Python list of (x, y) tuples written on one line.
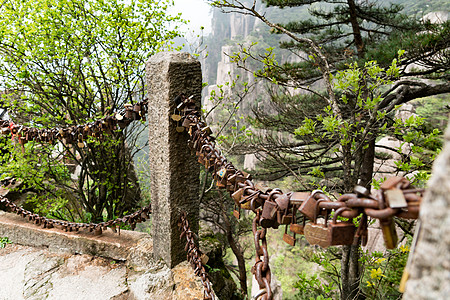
[(53, 264), (30, 273), (430, 265)]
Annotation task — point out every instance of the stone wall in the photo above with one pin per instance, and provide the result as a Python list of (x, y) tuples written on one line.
[(52, 264)]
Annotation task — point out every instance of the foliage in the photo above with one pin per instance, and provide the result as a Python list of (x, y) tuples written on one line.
[(69, 63), (380, 278), (311, 287), (4, 241), (339, 93), (382, 272)]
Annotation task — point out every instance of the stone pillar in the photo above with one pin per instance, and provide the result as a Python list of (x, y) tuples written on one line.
[(174, 170), (430, 264)]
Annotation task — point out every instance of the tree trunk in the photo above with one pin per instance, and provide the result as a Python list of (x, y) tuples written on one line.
[(355, 28), (237, 250), (350, 272), (367, 165), (350, 268)]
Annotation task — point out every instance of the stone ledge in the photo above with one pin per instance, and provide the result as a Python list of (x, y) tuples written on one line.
[(134, 248)]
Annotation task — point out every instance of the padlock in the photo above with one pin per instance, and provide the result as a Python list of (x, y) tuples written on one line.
[(246, 200), (238, 195), (236, 212), (129, 111), (231, 183), (287, 238), (317, 234), (341, 233), (308, 207), (298, 228), (284, 215), (389, 233), (268, 214), (395, 198), (186, 122), (294, 227), (137, 111), (221, 177), (97, 230), (248, 205), (297, 198)]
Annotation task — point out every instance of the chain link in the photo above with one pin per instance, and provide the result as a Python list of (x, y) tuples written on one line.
[(273, 207), (138, 216), (194, 256)]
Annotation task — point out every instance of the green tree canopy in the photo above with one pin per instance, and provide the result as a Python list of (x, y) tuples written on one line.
[(70, 62)]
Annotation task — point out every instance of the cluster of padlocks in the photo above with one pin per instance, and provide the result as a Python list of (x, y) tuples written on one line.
[(305, 213), (273, 208), (78, 134)]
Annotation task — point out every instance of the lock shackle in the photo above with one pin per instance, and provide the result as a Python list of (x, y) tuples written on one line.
[(317, 210), (338, 212), (319, 194), (272, 193)]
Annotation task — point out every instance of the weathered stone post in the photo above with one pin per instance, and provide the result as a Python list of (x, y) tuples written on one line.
[(430, 265), (174, 170)]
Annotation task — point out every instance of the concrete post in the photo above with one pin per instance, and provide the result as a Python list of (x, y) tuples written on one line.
[(174, 170)]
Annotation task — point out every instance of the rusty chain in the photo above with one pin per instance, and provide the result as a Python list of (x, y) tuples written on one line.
[(194, 256), (132, 219), (77, 134), (273, 208), (71, 135), (261, 269)]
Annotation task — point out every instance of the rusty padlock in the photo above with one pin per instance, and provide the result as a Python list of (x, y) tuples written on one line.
[(297, 198), (137, 111), (317, 234), (237, 212), (268, 214), (308, 207), (129, 111), (237, 195), (341, 233), (287, 238), (97, 230), (362, 231), (294, 227), (284, 215)]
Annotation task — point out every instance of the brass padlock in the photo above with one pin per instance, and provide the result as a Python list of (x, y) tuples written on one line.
[(236, 212), (341, 233), (317, 234), (389, 233)]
